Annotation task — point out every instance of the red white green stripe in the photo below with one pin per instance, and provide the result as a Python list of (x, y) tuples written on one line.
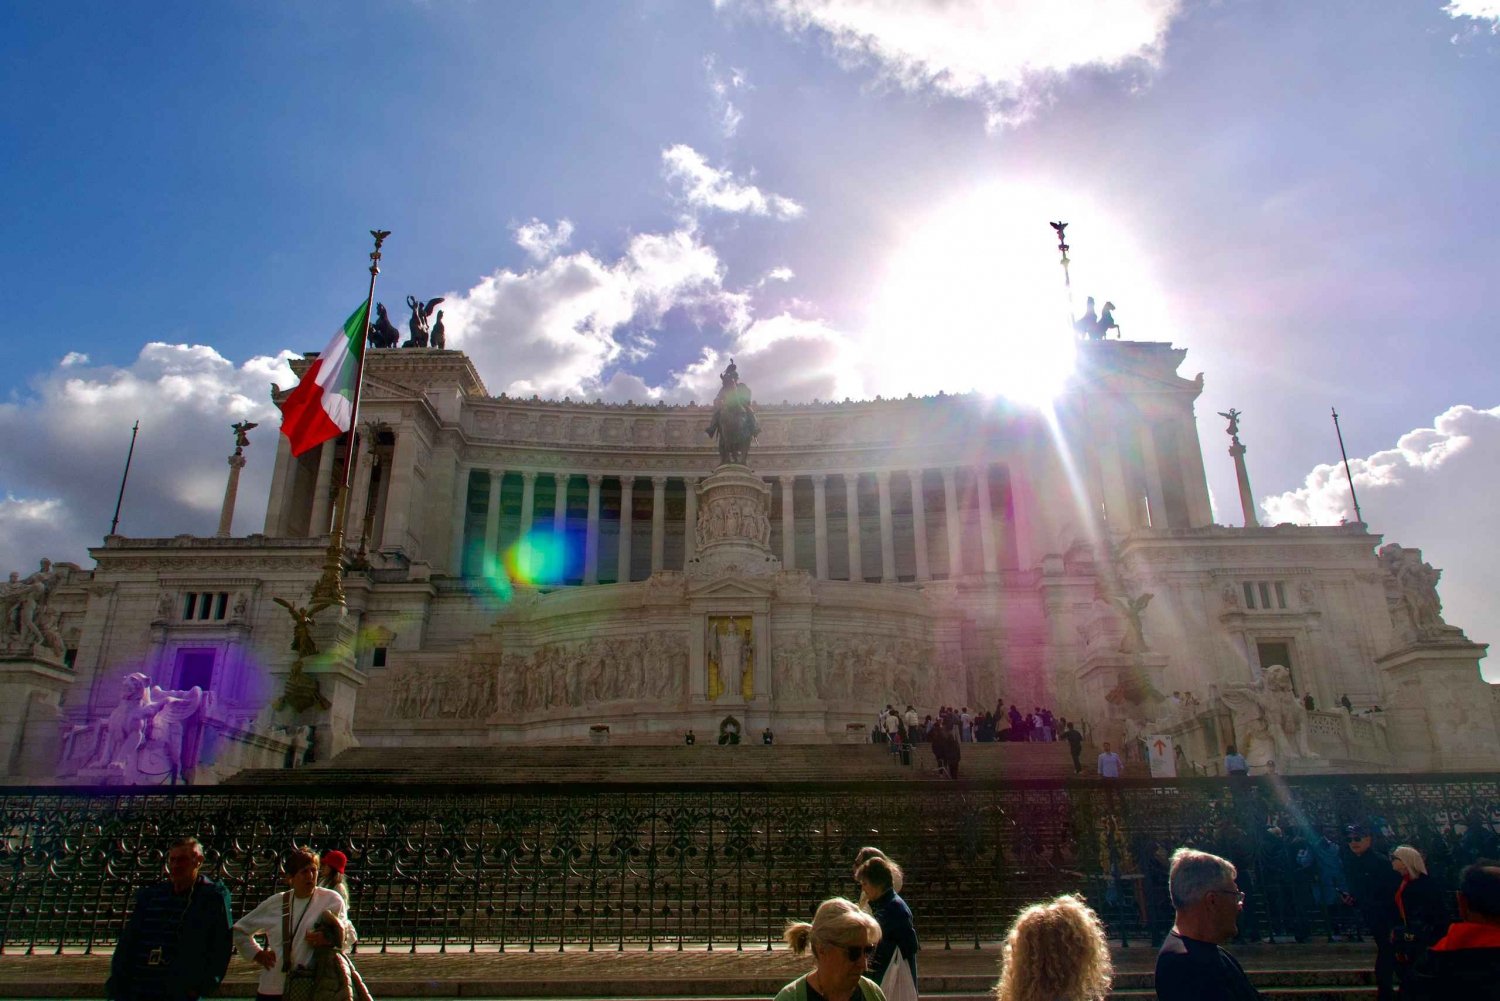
[(322, 405)]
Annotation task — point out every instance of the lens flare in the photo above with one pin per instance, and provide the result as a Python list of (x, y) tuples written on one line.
[(544, 557)]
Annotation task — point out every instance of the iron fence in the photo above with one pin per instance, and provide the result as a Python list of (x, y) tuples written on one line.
[(673, 867)]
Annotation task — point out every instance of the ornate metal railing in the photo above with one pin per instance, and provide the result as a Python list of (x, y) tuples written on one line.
[(614, 867)]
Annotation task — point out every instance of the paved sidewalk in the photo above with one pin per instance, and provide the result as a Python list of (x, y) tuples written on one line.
[(636, 973)]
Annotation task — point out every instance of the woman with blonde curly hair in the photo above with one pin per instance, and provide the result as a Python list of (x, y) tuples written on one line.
[(1055, 952), (842, 939)]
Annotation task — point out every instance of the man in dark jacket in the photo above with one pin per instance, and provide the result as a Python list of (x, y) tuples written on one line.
[(1192, 964), (896, 928), (177, 943), (1372, 891), (1465, 963)]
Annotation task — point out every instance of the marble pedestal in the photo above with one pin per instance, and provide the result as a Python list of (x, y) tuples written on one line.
[(32, 684), (1122, 687), (1439, 712), (333, 669)]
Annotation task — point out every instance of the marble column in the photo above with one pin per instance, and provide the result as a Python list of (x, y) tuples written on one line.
[(820, 525), (690, 521), (560, 503), (281, 473), (489, 561), (987, 522), (460, 511), (953, 529), (591, 536), (231, 491), (887, 529), (322, 500), (1118, 510), (919, 523), (528, 501), (398, 494), (658, 522), (1194, 479), (788, 525), (627, 502), (1022, 503), (1155, 496), (851, 518)]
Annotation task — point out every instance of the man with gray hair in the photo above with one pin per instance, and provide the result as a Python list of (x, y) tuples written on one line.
[(1192, 966)]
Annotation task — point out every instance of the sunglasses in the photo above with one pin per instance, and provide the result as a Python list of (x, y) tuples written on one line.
[(854, 952)]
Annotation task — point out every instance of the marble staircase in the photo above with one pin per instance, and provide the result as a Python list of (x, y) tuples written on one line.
[(674, 765)]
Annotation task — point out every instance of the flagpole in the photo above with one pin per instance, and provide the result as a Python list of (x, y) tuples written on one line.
[(124, 477), (1347, 475), (330, 586)]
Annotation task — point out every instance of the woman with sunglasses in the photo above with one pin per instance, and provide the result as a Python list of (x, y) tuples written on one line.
[(842, 939)]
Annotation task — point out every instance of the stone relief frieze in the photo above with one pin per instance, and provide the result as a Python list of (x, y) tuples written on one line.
[(464, 691), (836, 668), (594, 671), (733, 518)]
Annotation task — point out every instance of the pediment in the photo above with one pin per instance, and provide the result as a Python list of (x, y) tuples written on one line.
[(732, 585)]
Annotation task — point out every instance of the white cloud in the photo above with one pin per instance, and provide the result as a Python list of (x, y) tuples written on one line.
[(1004, 55), (1478, 10), (67, 438), (781, 274), (707, 187), (554, 329), (1434, 490), (723, 86), (783, 357), (74, 358), (541, 241)]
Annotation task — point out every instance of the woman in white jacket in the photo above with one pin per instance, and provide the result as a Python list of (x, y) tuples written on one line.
[(259, 935)]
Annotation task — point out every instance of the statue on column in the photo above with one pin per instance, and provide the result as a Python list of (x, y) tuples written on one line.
[(734, 423)]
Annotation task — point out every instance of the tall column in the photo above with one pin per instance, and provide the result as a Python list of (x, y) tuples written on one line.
[(788, 525), (690, 520), (954, 530), (986, 522), (489, 560), (820, 525), (658, 522), (851, 517), (1022, 499), (887, 529), (920, 524), (528, 501), (460, 511), (398, 494), (627, 501), (560, 503), (1242, 475), (591, 534), (231, 490), (280, 474), (322, 501), (1155, 497), (1194, 477), (1117, 506)]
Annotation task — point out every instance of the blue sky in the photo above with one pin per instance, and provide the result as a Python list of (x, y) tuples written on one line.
[(851, 196)]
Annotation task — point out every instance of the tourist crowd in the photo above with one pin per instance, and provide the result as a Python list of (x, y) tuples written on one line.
[(180, 935)]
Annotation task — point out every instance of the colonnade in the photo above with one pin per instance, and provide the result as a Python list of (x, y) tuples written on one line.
[(936, 524)]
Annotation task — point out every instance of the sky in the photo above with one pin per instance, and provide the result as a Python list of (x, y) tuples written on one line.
[(850, 197)]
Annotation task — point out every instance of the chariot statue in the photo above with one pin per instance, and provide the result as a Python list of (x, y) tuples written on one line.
[(734, 423)]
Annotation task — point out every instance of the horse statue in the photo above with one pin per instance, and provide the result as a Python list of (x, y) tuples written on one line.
[(734, 422), (383, 333), (421, 316)]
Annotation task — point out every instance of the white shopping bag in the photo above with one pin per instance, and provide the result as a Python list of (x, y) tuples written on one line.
[(897, 984)]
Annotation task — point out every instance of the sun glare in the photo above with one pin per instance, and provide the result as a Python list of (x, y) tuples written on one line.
[(974, 299)]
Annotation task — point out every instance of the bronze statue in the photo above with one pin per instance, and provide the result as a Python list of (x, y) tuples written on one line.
[(1096, 327), (439, 335), (734, 422), (302, 623), (241, 434), (383, 333), (421, 313), (1134, 640), (1233, 416)]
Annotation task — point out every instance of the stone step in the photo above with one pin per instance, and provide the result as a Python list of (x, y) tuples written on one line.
[(746, 763)]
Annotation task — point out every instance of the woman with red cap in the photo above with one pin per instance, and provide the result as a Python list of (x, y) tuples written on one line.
[(331, 874)]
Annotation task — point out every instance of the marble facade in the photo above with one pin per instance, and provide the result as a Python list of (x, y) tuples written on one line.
[(529, 570)]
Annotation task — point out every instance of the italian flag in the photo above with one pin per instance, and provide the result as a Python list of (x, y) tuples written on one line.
[(322, 405)]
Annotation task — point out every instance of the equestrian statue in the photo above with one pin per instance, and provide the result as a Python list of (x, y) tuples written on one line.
[(734, 422)]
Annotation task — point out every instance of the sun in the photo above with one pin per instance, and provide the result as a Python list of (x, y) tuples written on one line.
[(974, 299)]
